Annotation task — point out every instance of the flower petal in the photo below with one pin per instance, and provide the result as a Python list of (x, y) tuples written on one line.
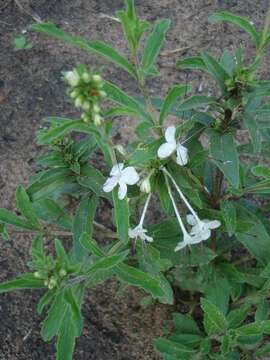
[(212, 224), (116, 169), (110, 183), (170, 134), (191, 220), (181, 245), (129, 176), (165, 150), (122, 191), (182, 155)]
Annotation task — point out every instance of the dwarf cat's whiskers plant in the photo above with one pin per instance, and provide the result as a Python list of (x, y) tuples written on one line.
[(214, 242)]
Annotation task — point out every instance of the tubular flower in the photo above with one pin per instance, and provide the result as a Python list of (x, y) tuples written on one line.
[(121, 176), (202, 228), (171, 145), (139, 231)]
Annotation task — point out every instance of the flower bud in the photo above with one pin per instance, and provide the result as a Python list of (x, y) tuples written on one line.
[(97, 79), (86, 77), (120, 149), (72, 78), (79, 102), (97, 120), (62, 273), (52, 283), (85, 117), (37, 275), (102, 94), (74, 94), (86, 105), (145, 185), (46, 282), (96, 109)]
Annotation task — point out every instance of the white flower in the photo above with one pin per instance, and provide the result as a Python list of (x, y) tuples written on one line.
[(187, 240), (170, 146), (139, 232), (72, 77), (202, 228), (122, 177)]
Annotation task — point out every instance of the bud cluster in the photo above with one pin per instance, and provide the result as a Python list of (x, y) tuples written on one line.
[(51, 281), (86, 90)]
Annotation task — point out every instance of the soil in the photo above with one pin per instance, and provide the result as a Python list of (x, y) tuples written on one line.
[(116, 326)]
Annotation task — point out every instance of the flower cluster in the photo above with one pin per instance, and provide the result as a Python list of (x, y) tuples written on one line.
[(51, 281), (86, 90), (123, 176)]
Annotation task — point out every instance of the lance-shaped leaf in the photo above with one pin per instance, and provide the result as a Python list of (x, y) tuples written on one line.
[(192, 63), (214, 320), (174, 93), (229, 216), (9, 218), (83, 222), (196, 101), (239, 21), (97, 47), (174, 350), (25, 281), (120, 97), (153, 45), (216, 70), (26, 207), (121, 216), (224, 154), (107, 262), (254, 131)]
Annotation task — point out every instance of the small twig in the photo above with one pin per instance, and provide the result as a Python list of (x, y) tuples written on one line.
[(34, 16), (175, 51), (105, 16)]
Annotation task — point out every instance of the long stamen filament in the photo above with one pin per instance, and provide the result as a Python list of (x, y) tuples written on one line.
[(175, 207), (182, 195), (145, 209)]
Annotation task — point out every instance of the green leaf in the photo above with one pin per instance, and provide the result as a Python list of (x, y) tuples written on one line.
[(239, 21), (192, 63), (216, 70), (121, 216), (82, 223), (145, 153), (224, 154), (254, 132), (90, 245), (93, 179), (66, 338), (133, 27), (153, 44), (53, 321), (141, 279), (229, 216), (96, 47), (8, 217), (262, 311), (185, 324), (174, 93), (214, 320), (25, 281), (107, 262), (118, 96), (261, 170), (45, 300), (236, 317), (196, 101), (63, 128), (26, 207), (48, 210), (172, 348)]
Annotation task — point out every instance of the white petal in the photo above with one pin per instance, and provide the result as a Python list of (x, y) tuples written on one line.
[(180, 246), (205, 234), (212, 224), (182, 155), (129, 176), (116, 169), (148, 238), (170, 134), (110, 184), (191, 220), (122, 191), (165, 150), (133, 233)]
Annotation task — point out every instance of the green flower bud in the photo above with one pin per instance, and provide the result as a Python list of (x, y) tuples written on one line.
[(102, 94), (74, 94), (86, 77), (46, 282), (86, 105), (72, 78), (37, 275), (62, 273), (97, 120), (85, 117), (97, 79), (96, 108), (52, 283), (79, 102)]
